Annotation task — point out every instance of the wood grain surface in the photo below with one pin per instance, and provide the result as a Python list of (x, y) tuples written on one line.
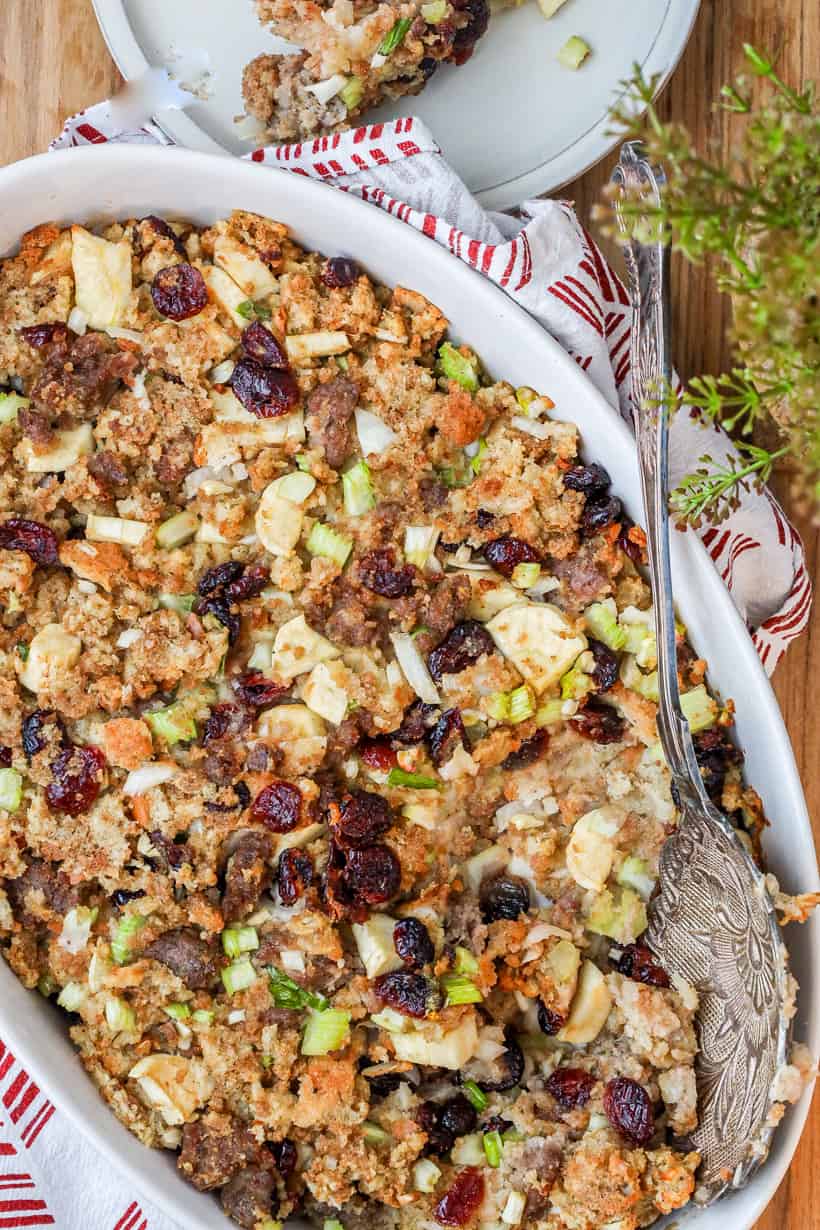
[(53, 62)]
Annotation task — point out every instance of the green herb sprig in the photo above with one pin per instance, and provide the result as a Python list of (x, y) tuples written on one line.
[(755, 217)]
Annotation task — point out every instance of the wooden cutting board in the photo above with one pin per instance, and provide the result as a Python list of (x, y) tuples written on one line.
[(53, 62)]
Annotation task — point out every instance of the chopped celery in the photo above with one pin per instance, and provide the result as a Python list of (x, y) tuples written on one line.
[(699, 709), (46, 985), (303, 461), (414, 781), (332, 1223), (476, 457), (466, 963), (288, 994), (498, 706), (359, 496), (434, 12), (177, 530), (181, 603), (576, 684), (493, 1148), (460, 990), (178, 1012), (173, 724), (238, 976), (11, 789), (119, 1016), (352, 92), (236, 940), (524, 576), (420, 543), (632, 677), (454, 365), (622, 917), (246, 309), (513, 1211), (323, 540), (574, 52), (127, 928), (325, 1031), (203, 1016), (10, 405), (602, 622), (475, 1096), (426, 1174), (395, 36), (522, 705), (373, 1134), (550, 713), (71, 996), (634, 873), (640, 639)]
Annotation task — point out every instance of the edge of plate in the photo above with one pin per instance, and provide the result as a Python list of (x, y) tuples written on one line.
[(547, 177)]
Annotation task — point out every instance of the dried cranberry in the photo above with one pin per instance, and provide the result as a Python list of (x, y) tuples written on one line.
[(484, 518), (179, 292), (714, 753), (219, 607), (38, 336), (629, 1109), (340, 271), (549, 1021), (506, 553), (466, 38), (428, 1117), (503, 897), (5, 757), (600, 513), (249, 585), (599, 722), (638, 963), (589, 480), (257, 691), (571, 1087), (417, 720), (76, 780), (382, 1084), (373, 874), (286, 1155), (408, 993), (458, 1116), (362, 817), (162, 228), (447, 732), (278, 807), (497, 1123), (379, 574), (260, 344), (605, 670), (412, 942), (527, 752), (461, 647), (378, 754), (220, 576), (462, 1200), (634, 547), (266, 392), (295, 875), (243, 794), (34, 734), (38, 541), (122, 896), (221, 721)]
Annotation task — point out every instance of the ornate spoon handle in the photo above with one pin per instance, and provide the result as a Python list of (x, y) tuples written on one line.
[(712, 921)]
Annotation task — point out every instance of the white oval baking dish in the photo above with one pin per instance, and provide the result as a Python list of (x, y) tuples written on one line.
[(93, 185)]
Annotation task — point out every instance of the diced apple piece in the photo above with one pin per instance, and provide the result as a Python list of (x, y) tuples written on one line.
[(590, 1007), (488, 863), (591, 849), (221, 443), (226, 293), (374, 940), (51, 653), (550, 7), (297, 649), (174, 1086), (242, 264), (55, 260), (314, 345), (115, 529), (278, 523), (67, 449), (298, 733), (538, 640), (490, 596), (564, 961), (451, 1050), (323, 694), (102, 277)]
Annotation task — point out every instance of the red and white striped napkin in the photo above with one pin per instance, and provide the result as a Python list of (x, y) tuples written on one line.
[(548, 263)]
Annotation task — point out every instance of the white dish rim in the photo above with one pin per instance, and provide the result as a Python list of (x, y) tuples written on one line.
[(81, 175), (566, 165)]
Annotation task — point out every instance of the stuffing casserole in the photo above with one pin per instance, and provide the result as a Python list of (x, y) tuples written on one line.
[(330, 791)]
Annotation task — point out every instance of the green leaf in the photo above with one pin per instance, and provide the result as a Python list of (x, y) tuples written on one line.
[(395, 36), (288, 994)]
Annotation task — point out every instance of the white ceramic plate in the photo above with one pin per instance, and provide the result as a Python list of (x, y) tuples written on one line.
[(512, 121), (109, 182)]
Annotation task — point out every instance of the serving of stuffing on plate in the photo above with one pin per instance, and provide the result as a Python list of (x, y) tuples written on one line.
[(330, 792)]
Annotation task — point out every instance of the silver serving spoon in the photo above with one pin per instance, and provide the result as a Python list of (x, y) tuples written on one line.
[(713, 921)]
